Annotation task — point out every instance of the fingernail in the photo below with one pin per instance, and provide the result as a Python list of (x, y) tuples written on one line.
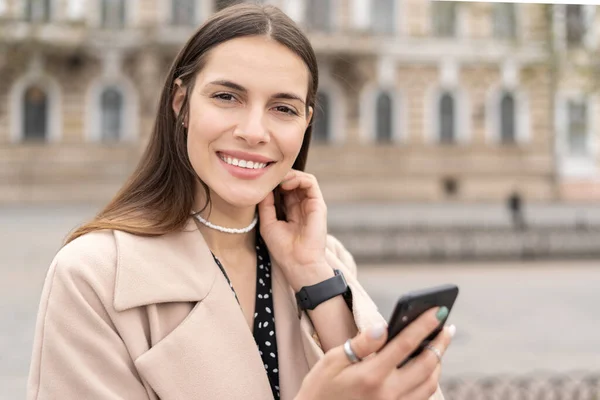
[(442, 313), (452, 330), (376, 332)]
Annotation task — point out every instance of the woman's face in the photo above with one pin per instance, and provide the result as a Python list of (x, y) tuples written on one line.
[(247, 118)]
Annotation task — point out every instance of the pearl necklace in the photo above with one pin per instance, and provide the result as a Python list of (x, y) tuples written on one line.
[(228, 230)]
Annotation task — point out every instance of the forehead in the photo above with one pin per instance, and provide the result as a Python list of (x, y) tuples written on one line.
[(257, 63)]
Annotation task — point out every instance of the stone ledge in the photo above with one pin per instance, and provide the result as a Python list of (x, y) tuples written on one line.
[(378, 244)]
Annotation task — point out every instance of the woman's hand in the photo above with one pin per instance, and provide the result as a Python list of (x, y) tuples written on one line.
[(298, 244), (377, 377)]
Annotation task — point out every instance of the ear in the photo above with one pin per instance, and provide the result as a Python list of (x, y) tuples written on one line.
[(179, 97), (309, 115)]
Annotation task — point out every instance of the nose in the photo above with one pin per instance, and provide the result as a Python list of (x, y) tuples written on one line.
[(252, 128)]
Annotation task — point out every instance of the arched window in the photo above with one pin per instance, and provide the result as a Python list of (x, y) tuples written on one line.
[(37, 10), (577, 127), (111, 104), (575, 24), (183, 12), (318, 15), (444, 18), (35, 114), (505, 22), (322, 118), (113, 14), (447, 117), (507, 119), (383, 122), (383, 14)]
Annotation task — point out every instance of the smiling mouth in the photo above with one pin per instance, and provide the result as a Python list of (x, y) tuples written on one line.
[(243, 163)]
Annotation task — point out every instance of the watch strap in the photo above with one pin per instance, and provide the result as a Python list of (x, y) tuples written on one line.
[(309, 297)]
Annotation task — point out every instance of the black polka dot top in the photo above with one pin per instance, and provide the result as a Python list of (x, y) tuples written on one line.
[(264, 314)]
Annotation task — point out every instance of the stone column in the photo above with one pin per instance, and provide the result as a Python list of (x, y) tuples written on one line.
[(149, 74)]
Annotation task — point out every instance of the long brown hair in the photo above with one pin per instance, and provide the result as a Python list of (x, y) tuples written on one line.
[(159, 195)]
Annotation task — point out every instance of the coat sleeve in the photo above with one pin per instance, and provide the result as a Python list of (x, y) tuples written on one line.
[(77, 352), (363, 308)]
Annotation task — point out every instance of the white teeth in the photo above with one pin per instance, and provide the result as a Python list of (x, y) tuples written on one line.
[(243, 163)]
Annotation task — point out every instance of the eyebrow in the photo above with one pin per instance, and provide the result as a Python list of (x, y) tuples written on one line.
[(240, 88)]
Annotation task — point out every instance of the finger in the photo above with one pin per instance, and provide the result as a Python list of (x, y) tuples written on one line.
[(289, 175), (441, 343), (306, 182), (400, 347), (266, 210), (426, 389), (421, 367), (363, 345)]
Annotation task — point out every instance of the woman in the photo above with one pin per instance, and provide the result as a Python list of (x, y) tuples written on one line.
[(175, 291)]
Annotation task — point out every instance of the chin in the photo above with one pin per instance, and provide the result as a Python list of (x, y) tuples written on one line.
[(241, 198)]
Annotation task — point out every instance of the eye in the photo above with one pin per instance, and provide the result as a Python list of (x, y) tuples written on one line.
[(224, 97), (286, 110)]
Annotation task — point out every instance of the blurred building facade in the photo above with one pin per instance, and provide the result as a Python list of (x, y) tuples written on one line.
[(420, 100)]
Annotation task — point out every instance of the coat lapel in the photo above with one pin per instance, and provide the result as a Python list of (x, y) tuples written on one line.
[(176, 267), (211, 354)]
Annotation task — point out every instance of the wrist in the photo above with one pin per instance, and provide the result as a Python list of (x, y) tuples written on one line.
[(308, 275)]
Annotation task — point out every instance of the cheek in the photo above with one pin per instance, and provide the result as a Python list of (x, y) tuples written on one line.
[(290, 141), (206, 125)]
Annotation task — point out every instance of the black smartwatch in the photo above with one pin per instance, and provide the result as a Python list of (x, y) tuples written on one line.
[(310, 297)]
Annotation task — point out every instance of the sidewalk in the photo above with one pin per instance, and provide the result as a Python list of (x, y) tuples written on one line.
[(512, 317)]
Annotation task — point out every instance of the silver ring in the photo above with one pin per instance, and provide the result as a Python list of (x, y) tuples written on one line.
[(350, 353), (435, 351)]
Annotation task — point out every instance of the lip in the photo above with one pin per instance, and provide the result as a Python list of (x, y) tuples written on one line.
[(240, 172), (241, 155)]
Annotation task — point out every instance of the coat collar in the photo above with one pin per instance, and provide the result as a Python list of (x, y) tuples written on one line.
[(176, 267)]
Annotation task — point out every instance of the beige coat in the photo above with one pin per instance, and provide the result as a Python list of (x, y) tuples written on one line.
[(130, 317)]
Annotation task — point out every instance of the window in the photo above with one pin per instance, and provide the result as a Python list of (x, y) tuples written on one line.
[(575, 22), (383, 15), (505, 21), (322, 119), (111, 103), (446, 119), (577, 128), (444, 18), (318, 15), (37, 10), (113, 14), (183, 12), (507, 119), (35, 115), (383, 121)]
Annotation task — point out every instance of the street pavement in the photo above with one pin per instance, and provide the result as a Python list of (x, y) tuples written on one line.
[(512, 318)]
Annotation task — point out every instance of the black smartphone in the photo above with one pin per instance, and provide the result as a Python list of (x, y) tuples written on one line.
[(412, 304)]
